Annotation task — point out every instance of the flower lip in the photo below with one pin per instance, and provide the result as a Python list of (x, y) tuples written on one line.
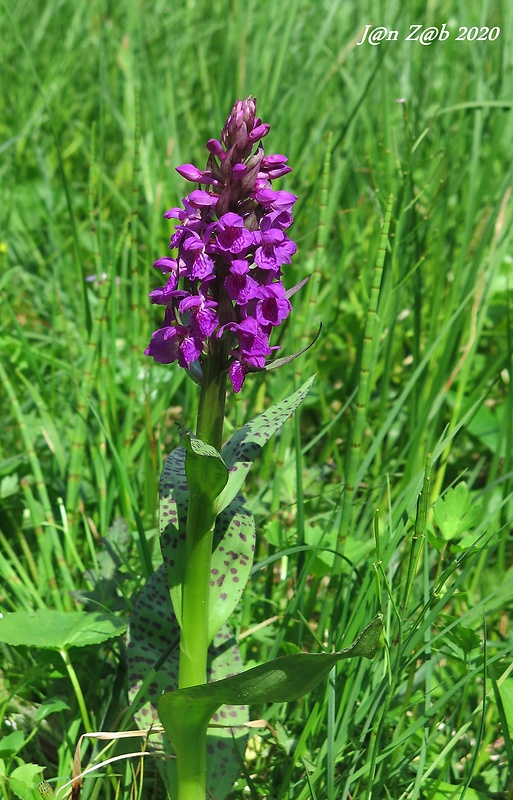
[(232, 236)]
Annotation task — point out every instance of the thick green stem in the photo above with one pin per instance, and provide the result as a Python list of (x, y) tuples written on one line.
[(195, 598), (191, 763), (209, 426), (194, 638)]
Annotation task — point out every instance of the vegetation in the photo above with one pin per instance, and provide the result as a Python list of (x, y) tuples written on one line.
[(401, 456)]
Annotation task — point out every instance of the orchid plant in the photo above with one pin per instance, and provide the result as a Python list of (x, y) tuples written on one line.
[(223, 297)]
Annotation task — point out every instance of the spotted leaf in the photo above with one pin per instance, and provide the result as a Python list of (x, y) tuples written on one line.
[(234, 543), (174, 499), (244, 446), (232, 559), (153, 654)]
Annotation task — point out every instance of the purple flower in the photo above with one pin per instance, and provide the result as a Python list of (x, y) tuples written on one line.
[(224, 290), (174, 343), (204, 320), (190, 218), (275, 166), (166, 265), (240, 367), (276, 219), (192, 173), (252, 338), (276, 201), (216, 148), (163, 296), (275, 250), (239, 284), (195, 258), (273, 307), (232, 236)]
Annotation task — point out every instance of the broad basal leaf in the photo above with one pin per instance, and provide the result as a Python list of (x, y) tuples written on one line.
[(231, 559), (59, 630), (153, 654)]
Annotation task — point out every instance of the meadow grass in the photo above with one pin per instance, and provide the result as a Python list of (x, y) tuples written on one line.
[(413, 394)]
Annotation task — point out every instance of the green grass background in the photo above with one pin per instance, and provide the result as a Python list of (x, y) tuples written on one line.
[(99, 101)]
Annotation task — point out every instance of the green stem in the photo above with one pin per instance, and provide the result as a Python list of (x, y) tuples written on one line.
[(194, 636), (191, 764), (195, 598), (209, 427), (357, 437), (77, 689)]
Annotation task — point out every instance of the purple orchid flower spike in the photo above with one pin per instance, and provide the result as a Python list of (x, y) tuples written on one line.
[(224, 290)]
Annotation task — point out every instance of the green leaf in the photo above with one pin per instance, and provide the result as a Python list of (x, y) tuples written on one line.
[(466, 638), (205, 470), (449, 791), (174, 499), (153, 650), (194, 462), (50, 706), (9, 486), (59, 630), (506, 694), (244, 446), (232, 560), (12, 743), (153, 658), (454, 513), (281, 680), (23, 778), (233, 546)]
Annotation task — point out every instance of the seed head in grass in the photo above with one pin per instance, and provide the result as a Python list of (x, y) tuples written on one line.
[(224, 287)]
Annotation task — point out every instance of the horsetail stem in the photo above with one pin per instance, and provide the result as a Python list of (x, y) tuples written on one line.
[(357, 434), (135, 281)]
